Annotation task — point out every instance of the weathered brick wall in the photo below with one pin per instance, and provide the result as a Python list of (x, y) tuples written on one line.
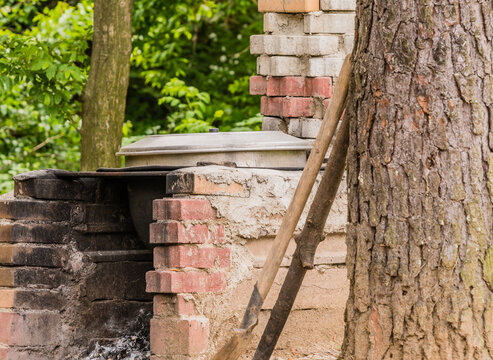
[(212, 240), (72, 271), (300, 55)]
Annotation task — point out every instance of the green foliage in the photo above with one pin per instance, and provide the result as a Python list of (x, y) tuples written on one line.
[(43, 68), (190, 71)]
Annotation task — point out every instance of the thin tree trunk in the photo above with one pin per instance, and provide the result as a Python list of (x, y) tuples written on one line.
[(420, 182), (307, 243), (105, 94)]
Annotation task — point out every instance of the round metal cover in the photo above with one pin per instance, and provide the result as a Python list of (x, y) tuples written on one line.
[(214, 142)]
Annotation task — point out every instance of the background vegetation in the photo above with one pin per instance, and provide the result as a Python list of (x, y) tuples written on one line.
[(190, 71)]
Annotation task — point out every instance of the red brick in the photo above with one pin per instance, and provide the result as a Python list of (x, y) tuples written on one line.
[(183, 209), (271, 106), (287, 107), (173, 305), (166, 282), (293, 86), (258, 85), (298, 107), (6, 233), (178, 336), (174, 232), (186, 256), (274, 86), (30, 329), (319, 87)]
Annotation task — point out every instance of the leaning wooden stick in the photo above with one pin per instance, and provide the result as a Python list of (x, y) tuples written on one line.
[(242, 336), (307, 243)]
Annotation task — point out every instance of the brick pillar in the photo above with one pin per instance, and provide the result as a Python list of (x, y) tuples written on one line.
[(300, 56), (188, 259)]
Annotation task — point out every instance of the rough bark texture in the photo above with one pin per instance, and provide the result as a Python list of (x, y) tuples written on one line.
[(106, 90), (420, 182)]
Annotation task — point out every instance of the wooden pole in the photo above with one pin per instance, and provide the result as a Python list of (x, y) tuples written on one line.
[(307, 243), (242, 336)]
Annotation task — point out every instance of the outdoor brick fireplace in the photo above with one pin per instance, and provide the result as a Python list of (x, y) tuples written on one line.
[(74, 272)]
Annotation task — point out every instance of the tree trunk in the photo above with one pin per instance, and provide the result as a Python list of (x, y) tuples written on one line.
[(105, 94), (420, 182)]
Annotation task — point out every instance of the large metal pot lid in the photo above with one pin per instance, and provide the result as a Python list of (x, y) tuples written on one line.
[(214, 142)]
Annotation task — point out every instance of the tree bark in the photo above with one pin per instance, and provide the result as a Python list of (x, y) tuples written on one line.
[(420, 182), (104, 98)]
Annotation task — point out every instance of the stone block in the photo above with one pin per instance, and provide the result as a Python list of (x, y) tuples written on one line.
[(338, 5), (191, 257), (165, 282), (323, 23), (183, 209), (179, 336), (174, 232), (285, 24), (274, 124), (288, 6), (103, 218)]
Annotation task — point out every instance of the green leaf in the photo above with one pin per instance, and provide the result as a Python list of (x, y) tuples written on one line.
[(51, 71)]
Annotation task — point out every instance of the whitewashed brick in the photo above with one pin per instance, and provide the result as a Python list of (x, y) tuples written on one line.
[(294, 127), (310, 128), (287, 24), (324, 66), (274, 124), (348, 43), (323, 23), (331, 5), (316, 45), (280, 66)]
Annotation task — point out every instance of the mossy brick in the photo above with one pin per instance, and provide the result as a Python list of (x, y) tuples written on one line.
[(183, 209), (175, 232), (33, 233), (35, 210), (32, 277), (30, 255), (30, 328), (183, 256), (57, 189), (31, 299), (170, 336), (174, 282)]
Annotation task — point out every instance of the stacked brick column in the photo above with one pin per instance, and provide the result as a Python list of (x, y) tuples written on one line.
[(188, 260), (300, 55)]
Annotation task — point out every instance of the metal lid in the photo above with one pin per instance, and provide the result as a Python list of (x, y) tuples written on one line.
[(214, 142)]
